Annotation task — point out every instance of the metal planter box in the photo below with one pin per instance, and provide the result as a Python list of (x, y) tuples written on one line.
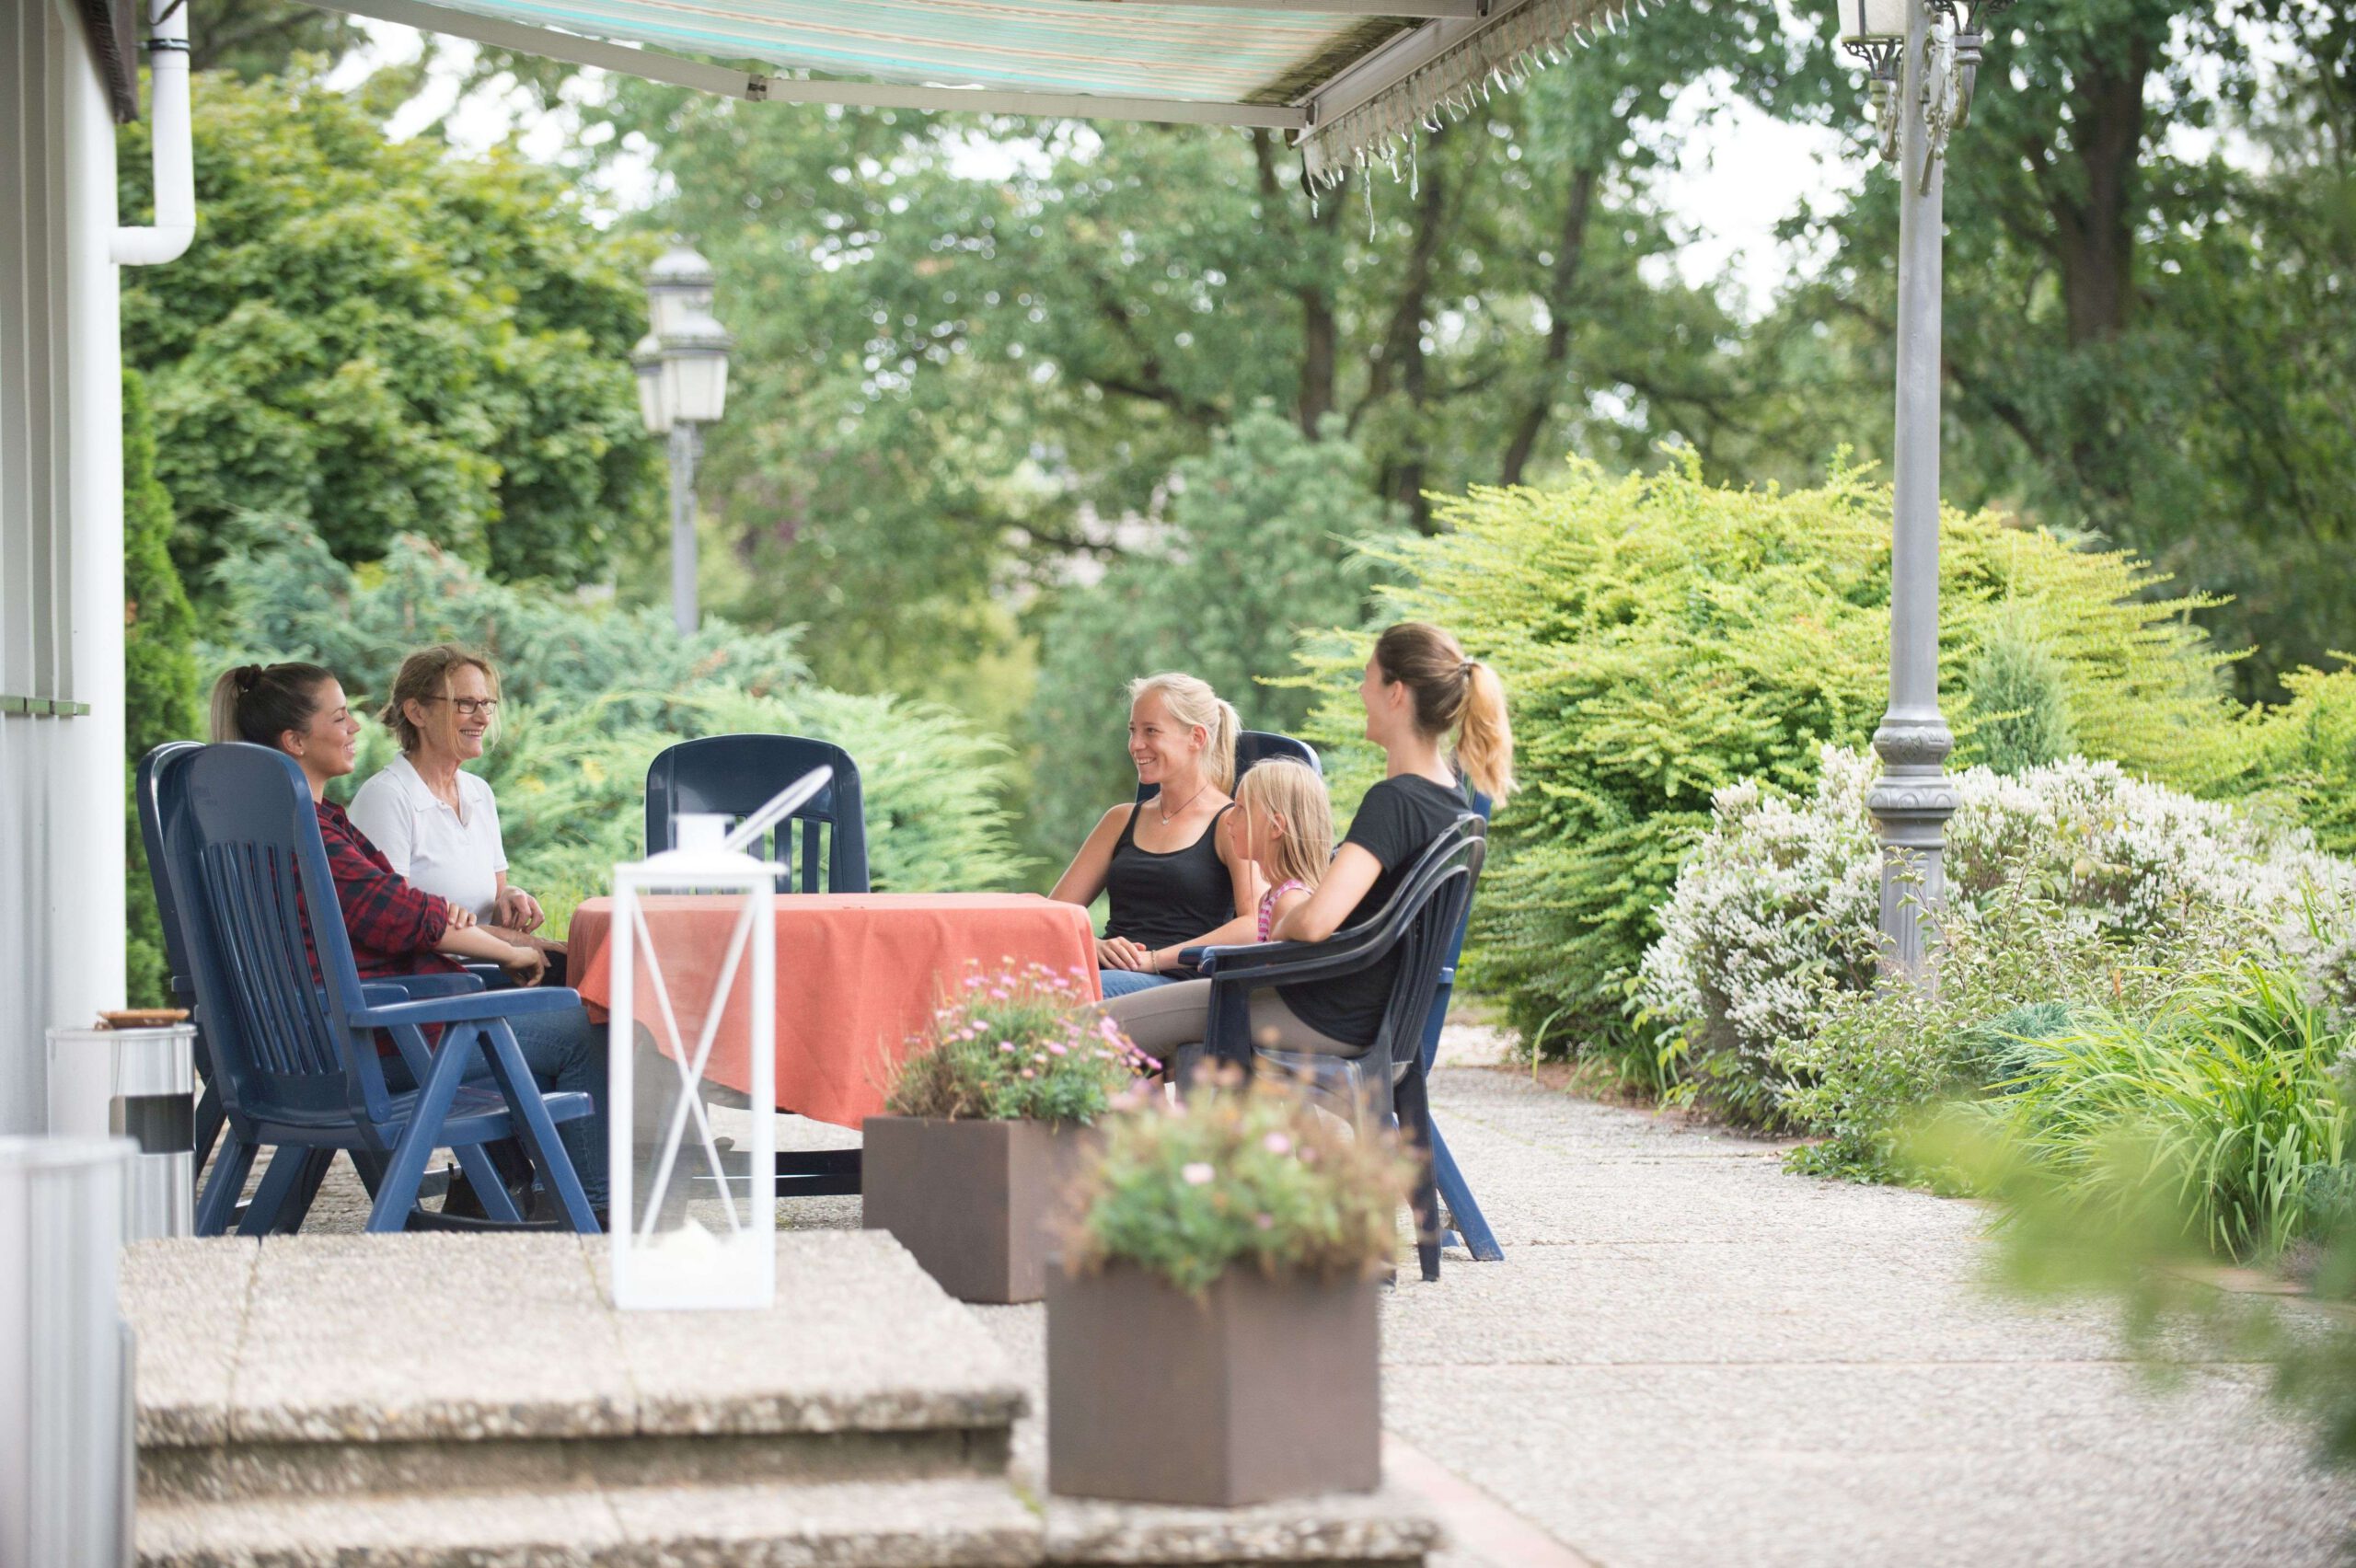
[(977, 1202), (1265, 1388)]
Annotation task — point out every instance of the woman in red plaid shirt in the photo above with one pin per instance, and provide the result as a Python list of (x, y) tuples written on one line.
[(395, 928)]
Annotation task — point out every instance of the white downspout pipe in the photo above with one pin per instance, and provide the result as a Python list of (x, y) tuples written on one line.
[(168, 135)]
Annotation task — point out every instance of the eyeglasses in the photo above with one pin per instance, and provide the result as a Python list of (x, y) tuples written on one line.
[(468, 706)]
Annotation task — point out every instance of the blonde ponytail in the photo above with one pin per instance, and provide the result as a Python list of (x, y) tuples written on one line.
[(1485, 735), (1192, 701)]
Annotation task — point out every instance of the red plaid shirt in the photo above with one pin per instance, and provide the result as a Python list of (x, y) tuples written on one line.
[(393, 926)]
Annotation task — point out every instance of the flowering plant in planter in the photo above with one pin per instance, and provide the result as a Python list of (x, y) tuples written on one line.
[(985, 1125), (1221, 1274), (1017, 1046), (1252, 1176)]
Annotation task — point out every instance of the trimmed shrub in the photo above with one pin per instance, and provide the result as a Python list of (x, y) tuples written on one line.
[(1663, 639), (159, 695), (594, 692), (2303, 756), (2020, 700)]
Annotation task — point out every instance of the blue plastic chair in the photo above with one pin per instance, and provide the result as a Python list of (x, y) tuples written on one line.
[(1252, 747), (1424, 925), (1470, 1225), (295, 1060), (734, 776)]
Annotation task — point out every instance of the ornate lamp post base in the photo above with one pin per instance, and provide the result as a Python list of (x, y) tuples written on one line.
[(1911, 803)]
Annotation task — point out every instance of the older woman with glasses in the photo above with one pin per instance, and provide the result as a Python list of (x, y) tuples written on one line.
[(435, 822)]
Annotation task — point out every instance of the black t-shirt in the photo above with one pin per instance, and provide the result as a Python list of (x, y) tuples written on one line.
[(1396, 822)]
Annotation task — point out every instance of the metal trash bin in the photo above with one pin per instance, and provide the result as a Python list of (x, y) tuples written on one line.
[(139, 1084), (66, 1460)]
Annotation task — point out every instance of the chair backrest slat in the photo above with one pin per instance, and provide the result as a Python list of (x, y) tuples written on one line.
[(152, 770), (1440, 889), (734, 776)]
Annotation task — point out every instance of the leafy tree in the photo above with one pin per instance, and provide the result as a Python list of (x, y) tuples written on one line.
[(970, 346), (161, 699), (381, 338), (261, 37), (1261, 540), (2143, 329)]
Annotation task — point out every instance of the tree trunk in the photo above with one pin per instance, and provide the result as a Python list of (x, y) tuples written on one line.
[(1567, 252), (2095, 220), (1319, 330)]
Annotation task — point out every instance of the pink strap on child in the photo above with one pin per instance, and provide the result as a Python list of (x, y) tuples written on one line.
[(1268, 903)]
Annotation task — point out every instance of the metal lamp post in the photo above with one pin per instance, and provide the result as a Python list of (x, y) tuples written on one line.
[(1925, 55), (682, 365)]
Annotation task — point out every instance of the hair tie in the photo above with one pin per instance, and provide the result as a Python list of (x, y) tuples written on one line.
[(248, 677), (1470, 665)]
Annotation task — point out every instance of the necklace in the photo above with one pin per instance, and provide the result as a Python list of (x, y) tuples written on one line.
[(1182, 805)]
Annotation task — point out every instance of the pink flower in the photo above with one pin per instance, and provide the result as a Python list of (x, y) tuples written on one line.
[(1028, 1073), (1196, 1174), (1277, 1143), (1054, 1049), (1006, 1047)]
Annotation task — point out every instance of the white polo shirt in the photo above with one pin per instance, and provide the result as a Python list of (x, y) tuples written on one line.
[(454, 854)]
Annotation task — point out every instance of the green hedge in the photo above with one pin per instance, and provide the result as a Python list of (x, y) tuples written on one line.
[(1662, 638)]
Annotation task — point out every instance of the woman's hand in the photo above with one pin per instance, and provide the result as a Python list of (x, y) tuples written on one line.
[(526, 964), (460, 917), (518, 910), (1119, 953)]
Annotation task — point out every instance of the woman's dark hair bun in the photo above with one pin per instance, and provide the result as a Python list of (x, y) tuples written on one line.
[(247, 676)]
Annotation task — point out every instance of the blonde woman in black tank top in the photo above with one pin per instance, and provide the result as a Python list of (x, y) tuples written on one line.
[(1177, 877)]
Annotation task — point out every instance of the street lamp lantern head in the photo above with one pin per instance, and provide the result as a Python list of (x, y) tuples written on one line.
[(695, 368), (653, 407), (1869, 23), (681, 282)]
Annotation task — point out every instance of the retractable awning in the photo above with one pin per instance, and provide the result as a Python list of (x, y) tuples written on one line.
[(1348, 80)]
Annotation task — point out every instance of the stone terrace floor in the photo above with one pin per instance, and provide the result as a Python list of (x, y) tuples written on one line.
[(1690, 1356)]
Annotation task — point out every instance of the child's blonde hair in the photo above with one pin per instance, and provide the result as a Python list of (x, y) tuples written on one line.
[(1292, 790)]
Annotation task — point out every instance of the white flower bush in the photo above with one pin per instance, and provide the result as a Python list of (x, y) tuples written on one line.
[(1773, 914)]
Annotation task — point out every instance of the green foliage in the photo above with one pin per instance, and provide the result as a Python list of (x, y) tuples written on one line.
[(1259, 542), (1017, 1047), (2017, 689), (595, 691), (2303, 755), (2224, 1104), (160, 701), (1240, 1176), (382, 340), (1662, 638)]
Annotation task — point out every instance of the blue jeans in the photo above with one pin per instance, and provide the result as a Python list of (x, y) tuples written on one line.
[(565, 1052), (1124, 982)]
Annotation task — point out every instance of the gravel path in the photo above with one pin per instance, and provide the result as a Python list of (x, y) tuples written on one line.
[(1690, 1356)]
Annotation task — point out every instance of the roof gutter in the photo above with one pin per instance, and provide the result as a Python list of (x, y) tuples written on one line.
[(171, 140)]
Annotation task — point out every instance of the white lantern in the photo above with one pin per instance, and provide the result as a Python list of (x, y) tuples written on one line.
[(694, 1226), (1868, 22)]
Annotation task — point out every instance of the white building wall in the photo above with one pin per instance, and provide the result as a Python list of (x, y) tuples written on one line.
[(61, 778)]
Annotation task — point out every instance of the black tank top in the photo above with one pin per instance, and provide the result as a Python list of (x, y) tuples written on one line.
[(1162, 900)]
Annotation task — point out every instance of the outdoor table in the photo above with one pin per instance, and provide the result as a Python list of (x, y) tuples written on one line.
[(858, 975)]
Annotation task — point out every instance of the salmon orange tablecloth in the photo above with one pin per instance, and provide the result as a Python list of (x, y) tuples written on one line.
[(858, 975)]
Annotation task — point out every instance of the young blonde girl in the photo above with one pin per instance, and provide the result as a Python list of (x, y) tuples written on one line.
[(1287, 832)]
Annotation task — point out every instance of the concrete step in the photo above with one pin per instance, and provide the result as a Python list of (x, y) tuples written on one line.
[(942, 1523), (435, 1362)]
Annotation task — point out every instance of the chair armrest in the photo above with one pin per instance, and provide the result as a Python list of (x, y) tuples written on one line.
[(1343, 953), (416, 988), (472, 1007)]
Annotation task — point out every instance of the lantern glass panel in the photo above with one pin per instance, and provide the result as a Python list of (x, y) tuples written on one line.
[(702, 385), (653, 408), (693, 1072), (1864, 21)]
